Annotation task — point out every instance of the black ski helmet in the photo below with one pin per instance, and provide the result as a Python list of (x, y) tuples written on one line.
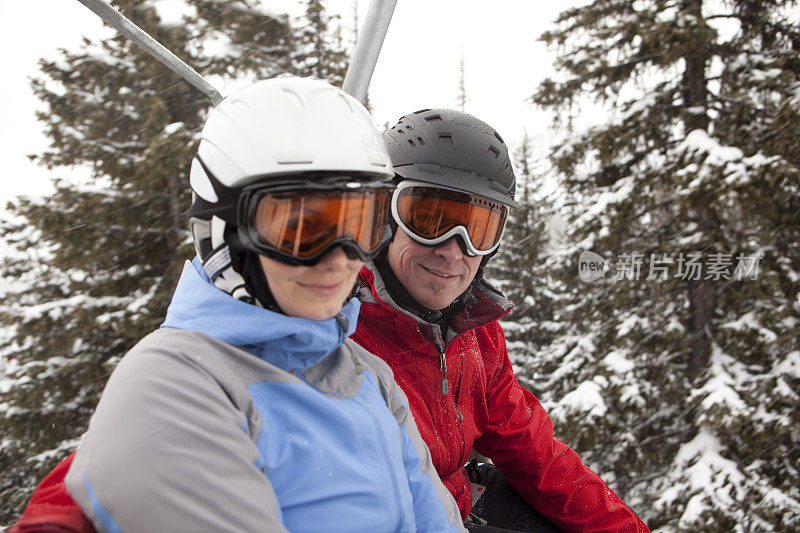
[(452, 149)]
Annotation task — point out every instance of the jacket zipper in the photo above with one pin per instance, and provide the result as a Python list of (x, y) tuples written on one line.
[(445, 388), (443, 367)]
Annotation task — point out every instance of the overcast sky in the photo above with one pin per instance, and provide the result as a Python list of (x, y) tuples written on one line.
[(418, 66)]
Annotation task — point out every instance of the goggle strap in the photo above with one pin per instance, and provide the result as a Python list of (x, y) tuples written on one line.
[(218, 261), (219, 269)]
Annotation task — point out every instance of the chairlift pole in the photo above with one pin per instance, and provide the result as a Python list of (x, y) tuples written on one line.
[(357, 78), (368, 47), (130, 30)]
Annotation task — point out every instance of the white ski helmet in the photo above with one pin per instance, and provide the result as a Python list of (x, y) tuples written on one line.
[(289, 125), (295, 130)]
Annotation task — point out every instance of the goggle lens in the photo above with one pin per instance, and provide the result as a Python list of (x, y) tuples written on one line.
[(431, 212), (303, 223)]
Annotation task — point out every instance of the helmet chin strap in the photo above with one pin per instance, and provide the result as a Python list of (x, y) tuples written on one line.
[(214, 250), (256, 280)]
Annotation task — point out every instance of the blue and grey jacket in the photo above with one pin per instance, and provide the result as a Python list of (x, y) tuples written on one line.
[(234, 418)]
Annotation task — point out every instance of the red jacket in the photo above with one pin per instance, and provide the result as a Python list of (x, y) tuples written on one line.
[(482, 406), (51, 508)]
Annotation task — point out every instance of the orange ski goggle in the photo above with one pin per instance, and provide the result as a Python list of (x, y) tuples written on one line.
[(300, 225), (432, 214)]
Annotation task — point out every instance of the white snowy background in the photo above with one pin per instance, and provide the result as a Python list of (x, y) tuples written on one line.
[(418, 66)]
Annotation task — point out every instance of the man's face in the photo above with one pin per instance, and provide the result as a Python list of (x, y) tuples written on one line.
[(433, 275)]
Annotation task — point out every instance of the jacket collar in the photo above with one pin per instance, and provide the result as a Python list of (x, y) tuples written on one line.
[(488, 305), (285, 341)]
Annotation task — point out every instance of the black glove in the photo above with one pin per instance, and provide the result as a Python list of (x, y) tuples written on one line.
[(501, 506)]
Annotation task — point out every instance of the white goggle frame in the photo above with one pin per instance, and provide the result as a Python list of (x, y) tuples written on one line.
[(458, 230)]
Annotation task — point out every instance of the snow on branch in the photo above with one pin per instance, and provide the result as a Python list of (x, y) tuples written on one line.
[(586, 398), (706, 474), (58, 307)]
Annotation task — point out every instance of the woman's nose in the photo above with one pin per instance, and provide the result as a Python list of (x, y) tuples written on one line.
[(336, 259)]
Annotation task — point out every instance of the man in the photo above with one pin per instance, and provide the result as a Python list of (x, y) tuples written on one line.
[(428, 312)]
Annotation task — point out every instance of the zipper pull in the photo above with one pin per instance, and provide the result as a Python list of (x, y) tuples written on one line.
[(443, 366)]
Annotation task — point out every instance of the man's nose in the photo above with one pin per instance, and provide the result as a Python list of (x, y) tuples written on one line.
[(449, 249)]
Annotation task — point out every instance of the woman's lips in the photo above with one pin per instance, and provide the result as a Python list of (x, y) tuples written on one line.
[(323, 290)]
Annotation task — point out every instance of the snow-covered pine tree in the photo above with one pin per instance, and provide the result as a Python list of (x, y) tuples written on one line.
[(95, 261), (680, 383), (239, 39), (462, 84), (94, 265), (319, 50), (519, 268)]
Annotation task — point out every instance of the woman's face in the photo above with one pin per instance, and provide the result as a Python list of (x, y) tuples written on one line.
[(313, 292)]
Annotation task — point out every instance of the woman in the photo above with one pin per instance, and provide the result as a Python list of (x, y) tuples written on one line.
[(249, 409)]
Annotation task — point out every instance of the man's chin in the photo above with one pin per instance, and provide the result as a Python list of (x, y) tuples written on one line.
[(439, 289), (434, 298)]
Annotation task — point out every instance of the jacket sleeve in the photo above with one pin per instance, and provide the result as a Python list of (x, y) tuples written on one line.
[(168, 450), (519, 438), (52, 508)]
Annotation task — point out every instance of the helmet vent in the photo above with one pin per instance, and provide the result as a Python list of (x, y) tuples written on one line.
[(434, 118), (294, 99), (498, 137), (409, 128), (400, 131), (494, 152), (420, 141), (411, 142), (446, 139)]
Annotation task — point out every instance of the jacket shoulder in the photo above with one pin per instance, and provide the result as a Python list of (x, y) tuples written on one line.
[(365, 359), (392, 394), (175, 401)]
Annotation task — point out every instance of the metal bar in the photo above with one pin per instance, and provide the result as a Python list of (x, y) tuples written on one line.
[(368, 48), (133, 32)]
